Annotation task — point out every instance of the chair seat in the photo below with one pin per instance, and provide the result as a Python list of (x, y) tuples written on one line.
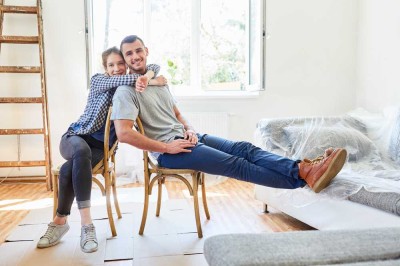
[(173, 171), (97, 170), (157, 168)]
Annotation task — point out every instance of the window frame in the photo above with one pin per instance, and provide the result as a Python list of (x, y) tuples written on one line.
[(251, 90)]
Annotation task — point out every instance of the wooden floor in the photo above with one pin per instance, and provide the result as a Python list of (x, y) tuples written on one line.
[(234, 206)]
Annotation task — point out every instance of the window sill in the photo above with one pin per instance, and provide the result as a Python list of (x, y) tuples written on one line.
[(217, 95)]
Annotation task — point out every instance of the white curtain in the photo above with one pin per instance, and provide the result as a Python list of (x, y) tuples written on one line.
[(129, 163)]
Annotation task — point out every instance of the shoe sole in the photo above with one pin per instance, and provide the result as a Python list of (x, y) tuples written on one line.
[(333, 169), (89, 251), (55, 243)]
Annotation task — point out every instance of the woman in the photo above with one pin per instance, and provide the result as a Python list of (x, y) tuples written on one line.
[(82, 147)]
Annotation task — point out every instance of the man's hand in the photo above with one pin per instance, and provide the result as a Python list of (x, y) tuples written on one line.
[(141, 83), (178, 146), (191, 136)]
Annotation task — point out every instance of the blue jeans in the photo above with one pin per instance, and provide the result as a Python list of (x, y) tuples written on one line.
[(240, 160), (75, 179)]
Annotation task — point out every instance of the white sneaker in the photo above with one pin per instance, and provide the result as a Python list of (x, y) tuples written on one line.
[(53, 235), (88, 238)]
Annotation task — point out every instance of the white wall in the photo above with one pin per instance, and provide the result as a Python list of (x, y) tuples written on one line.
[(311, 57), (64, 32), (378, 64)]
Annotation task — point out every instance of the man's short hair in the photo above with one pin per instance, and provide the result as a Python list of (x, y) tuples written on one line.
[(130, 39)]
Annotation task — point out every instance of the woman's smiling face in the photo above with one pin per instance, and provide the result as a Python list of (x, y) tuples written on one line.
[(115, 65)]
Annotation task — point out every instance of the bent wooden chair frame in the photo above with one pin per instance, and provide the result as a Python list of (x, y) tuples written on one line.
[(161, 173), (106, 168)]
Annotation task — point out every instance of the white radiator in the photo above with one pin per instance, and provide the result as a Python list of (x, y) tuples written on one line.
[(213, 123)]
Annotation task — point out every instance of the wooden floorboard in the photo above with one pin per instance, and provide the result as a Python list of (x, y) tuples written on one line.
[(231, 204)]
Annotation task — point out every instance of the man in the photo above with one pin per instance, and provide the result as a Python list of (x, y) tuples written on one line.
[(176, 145)]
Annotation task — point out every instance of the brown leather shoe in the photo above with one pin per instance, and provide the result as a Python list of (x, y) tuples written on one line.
[(320, 171), (328, 151)]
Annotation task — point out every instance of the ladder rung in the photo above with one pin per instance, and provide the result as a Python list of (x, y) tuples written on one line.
[(23, 179), (21, 131), (21, 100), (19, 9), (19, 39), (22, 163), (19, 69)]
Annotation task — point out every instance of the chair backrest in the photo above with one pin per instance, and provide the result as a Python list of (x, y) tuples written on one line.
[(146, 157), (107, 151)]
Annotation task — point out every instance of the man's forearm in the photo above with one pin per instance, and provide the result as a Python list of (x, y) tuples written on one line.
[(126, 134), (185, 122), (142, 142), (187, 126), (149, 74)]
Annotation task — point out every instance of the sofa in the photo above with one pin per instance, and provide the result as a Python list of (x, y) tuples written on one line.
[(365, 194), (362, 247)]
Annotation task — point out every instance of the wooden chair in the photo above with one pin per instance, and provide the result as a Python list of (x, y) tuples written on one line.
[(106, 168), (151, 167)]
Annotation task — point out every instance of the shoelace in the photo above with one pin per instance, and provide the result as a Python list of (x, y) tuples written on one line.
[(49, 231), (316, 160), (90, 234)]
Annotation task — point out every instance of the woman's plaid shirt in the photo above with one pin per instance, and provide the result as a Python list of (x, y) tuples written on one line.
[(102, 89)]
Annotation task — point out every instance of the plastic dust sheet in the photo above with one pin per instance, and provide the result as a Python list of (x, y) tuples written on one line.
[(371, 140)]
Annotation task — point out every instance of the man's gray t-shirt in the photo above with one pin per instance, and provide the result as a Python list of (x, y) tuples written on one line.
[(154, 106)]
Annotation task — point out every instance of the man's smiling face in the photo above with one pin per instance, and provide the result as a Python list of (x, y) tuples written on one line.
[(135, 55)]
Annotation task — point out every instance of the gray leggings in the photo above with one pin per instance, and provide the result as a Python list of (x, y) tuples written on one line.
[(75, 179)]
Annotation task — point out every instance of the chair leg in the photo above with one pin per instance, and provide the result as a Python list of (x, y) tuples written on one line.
[(195, 178), (203, 195), (108, 200), (116, 203), (55, 194), (159, 196), (146, 203)]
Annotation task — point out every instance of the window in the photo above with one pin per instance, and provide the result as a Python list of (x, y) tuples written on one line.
[(202, 46)]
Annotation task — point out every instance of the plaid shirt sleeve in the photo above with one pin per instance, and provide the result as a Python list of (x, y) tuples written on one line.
[(100, 83), (155, 68)]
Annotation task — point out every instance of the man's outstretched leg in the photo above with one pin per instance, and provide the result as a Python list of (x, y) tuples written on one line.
[(317, 172), (213, 161)]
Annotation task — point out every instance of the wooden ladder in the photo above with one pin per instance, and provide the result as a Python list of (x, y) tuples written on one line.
[(35, 10)]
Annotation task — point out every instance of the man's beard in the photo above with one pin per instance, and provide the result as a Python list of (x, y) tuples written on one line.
[(137, 70)]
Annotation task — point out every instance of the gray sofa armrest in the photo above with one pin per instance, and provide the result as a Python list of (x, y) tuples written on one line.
[(304, 247), (373, 263)]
